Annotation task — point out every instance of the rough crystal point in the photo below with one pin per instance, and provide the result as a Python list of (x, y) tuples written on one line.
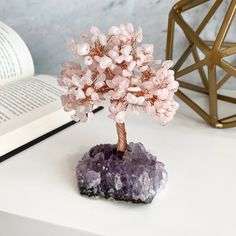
[(133, 176)]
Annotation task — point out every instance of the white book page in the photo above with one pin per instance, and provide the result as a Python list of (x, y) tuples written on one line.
[(29, 108), (26, 100), (15, 59), (33, 130)]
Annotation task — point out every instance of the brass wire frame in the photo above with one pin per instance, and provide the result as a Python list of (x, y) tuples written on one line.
[(212, 57)]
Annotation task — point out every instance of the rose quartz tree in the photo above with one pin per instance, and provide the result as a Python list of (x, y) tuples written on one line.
[(115, 67)]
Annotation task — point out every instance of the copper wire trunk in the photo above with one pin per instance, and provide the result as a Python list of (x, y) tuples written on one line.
[(122, 141)]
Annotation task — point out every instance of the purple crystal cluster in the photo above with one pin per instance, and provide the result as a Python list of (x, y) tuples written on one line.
[(134, 176)]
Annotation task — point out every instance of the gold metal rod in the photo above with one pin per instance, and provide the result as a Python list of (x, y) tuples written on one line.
[(224, 45), (200, 70), (223, 80), (170, 35), (193, 87), (225, 25), (227, 67), (228, 44), (214, 51), (190, 33), (190, 47), (212, 94), (208, 16), (192, 4), (193, 105), (205, 91), (182, 59), (228, 124), (190, 68), (229, 51), (170, 38), (228, 118), (226, 98), (198, 31), (178, 7)]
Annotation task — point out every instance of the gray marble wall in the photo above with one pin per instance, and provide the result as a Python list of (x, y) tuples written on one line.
[(47, 26)]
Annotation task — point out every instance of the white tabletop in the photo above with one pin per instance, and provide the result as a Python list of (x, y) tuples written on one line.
[(40, 183)]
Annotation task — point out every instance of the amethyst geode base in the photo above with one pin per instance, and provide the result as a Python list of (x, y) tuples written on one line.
[(134, 176)]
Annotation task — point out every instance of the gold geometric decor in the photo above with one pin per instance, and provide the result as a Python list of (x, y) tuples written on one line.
[(214, 55)]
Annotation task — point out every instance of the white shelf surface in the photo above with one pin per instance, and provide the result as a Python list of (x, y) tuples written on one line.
[(40, 184)]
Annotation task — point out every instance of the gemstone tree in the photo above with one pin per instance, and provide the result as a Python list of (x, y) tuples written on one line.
[(117, 69)]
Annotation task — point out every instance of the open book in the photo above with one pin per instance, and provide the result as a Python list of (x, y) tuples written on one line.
[(30, 106)]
